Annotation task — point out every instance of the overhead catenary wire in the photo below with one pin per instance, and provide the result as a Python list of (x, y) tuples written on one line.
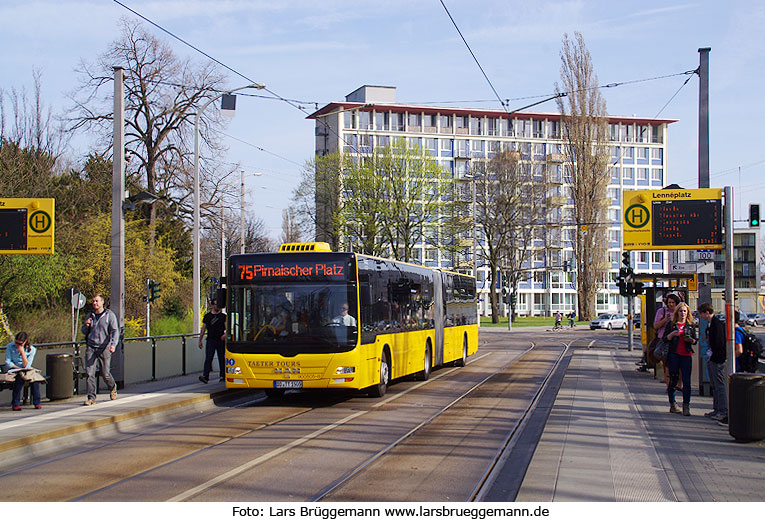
[(501, 102), (227, 67)]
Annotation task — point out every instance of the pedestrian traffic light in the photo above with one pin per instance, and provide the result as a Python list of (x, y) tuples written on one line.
[(754, 215), (154, 288), (637, 288), (626, 259), (565, 266)]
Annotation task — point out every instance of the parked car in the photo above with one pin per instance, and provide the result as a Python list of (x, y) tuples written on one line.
[(755, 319), (609, 321), (721, 316)]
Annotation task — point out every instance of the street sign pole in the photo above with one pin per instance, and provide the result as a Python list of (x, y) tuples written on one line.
[(705, 280), (630, 329), (730, 311)]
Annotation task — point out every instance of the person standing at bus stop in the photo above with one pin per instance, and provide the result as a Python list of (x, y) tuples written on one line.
[(102, 334), (681, 337), (716, 363), (214, 323)]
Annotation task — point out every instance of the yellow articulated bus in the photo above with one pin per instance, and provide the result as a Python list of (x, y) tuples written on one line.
[(306, 317)]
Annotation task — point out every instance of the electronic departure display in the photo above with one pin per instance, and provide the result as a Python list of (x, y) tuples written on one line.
[(687, 222), (13, 229), (672, 219)]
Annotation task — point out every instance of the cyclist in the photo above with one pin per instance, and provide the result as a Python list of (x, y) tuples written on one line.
[(558, 319)]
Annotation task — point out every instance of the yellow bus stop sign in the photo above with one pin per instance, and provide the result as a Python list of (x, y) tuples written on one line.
[(672, 219), (27, 225)]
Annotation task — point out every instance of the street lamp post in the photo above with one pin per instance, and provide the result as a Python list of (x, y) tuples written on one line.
[(195, 231)]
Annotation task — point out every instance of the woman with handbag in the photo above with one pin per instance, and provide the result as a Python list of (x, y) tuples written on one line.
[(681, 337), (661, 323)]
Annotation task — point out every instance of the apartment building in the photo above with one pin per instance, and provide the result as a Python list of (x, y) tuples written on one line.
[(370, 117), (747, 278)]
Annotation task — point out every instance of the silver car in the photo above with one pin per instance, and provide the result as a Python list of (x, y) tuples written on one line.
[(755, 319), (609, 321)]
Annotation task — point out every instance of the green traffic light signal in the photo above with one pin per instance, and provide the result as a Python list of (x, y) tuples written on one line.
[(154, 289), (754, 215)]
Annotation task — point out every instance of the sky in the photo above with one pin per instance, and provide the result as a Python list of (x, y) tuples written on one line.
[(318, 52)]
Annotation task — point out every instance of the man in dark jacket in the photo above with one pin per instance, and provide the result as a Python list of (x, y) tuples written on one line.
[(716, 363), (102, 334)]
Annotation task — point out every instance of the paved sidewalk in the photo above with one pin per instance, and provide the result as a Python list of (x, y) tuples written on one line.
[(610, 438)]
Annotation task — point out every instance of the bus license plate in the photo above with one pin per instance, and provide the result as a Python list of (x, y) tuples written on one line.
[(288, 384)]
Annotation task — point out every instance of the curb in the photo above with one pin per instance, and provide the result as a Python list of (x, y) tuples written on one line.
[(108, 420)]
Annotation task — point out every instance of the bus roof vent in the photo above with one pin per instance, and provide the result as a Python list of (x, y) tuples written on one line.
[(305, 247)]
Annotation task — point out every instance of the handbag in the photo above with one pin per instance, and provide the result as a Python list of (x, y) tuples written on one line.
[(660, 349)]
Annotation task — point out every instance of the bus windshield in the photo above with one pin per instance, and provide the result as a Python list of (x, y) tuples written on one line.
[(292, 317)]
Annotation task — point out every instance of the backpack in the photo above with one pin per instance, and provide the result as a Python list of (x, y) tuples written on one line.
[(752, 352)]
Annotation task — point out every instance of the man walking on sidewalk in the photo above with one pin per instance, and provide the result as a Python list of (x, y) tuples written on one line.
[(214, 323), (102, 335), (716, 363)]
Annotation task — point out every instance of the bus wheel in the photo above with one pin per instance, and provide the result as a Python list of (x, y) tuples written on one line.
[(428, 365), (462, 361), (379, 390), (274, 393)]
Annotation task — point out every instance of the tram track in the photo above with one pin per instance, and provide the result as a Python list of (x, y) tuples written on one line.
[(364, 410), (492, 465)]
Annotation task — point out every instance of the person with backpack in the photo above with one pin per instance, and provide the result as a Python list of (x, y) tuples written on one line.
[(716, 363), (748, 349)]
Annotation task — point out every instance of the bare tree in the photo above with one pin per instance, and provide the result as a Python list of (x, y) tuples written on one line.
[(584, 122), (290, 229), (510, 207), (162, 95)]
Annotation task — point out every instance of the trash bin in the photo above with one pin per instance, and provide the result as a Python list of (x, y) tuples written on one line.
[(746, 413), (59, 368)]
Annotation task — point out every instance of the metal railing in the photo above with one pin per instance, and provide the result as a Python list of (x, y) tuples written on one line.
[(146, 358), (169, 364)]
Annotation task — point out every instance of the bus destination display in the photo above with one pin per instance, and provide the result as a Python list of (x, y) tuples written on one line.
[(13, 229), (687, 222)]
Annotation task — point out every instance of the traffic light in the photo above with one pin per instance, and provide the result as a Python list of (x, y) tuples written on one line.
[(622, 283), (754, 215), (565, 266), (637, 288), (154, 288), (626, 269)]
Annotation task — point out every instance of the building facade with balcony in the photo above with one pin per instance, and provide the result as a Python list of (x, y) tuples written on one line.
[(747, 276), (455, 137)]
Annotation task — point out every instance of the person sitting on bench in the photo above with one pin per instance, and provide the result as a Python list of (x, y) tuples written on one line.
[(19, 355)]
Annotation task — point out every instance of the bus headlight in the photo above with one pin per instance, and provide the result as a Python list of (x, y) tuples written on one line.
[(345, 370), (233, 370)]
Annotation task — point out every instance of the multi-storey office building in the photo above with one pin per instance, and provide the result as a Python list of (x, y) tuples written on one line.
[(747, 278), (370, 117)]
